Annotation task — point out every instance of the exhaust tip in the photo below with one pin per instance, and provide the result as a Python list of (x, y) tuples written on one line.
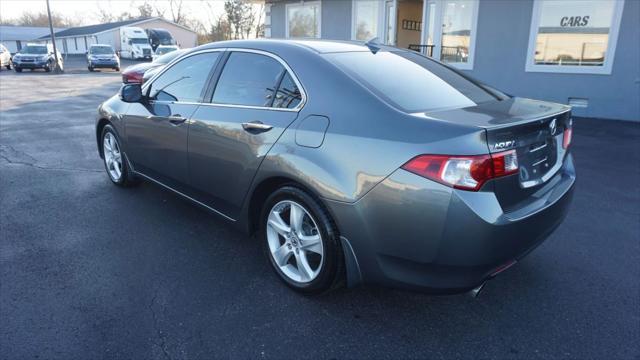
[(475, 292)]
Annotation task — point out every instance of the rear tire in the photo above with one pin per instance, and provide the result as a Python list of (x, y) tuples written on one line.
[(115, 162), (306, 254)]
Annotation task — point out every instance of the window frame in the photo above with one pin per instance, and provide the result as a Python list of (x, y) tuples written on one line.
[(299, 5), (214, 82), (612, 42), (379, 22), (146, 87)]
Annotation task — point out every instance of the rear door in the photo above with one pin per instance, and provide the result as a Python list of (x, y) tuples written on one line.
[(157, 128), (255, 99)]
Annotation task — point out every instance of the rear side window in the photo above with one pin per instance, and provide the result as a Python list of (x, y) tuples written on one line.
[(185, 80), (288, 95), (248, 79), (411, 82)]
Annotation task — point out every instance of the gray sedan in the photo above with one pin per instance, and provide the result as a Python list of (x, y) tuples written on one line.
[(350, 163)]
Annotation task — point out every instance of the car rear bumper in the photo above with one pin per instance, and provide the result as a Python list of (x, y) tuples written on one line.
[(414, 233)]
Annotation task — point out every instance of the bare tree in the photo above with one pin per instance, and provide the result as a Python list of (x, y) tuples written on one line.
[(259, 22), (176, 8), (240, 17), (41, 19)]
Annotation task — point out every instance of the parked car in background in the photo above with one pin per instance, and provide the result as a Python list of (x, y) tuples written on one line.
[(136, 74), (164, 49), (158, 37), (102, 56), (5, 57), (36, 56), (134, 44), (350, 162)]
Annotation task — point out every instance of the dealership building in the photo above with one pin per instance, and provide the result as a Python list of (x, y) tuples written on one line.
[(585, 53)]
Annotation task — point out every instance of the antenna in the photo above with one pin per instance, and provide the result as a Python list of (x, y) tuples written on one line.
[(373, 45)]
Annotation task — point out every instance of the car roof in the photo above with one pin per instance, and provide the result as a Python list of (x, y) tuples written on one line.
[(317, 46)]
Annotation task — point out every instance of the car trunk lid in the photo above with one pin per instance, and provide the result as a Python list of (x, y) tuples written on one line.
[(534, 129)]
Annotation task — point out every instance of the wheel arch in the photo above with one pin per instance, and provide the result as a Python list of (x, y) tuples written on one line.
[(99, 127), (266, 187)]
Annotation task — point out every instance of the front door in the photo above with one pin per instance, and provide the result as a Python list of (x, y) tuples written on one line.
[(448, 31), (254, 101), (157, 128)]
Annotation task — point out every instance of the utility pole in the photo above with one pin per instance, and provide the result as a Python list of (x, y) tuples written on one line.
[(53, 40)]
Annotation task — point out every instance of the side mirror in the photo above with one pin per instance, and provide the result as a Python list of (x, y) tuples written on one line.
[(131, 93)]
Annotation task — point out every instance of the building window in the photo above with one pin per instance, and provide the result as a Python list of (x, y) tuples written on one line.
[(365, 21), (574, 36), (303, 20)]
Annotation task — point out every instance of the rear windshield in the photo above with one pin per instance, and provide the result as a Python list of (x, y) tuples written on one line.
[(411, 82), (34, 50), (100, 50)]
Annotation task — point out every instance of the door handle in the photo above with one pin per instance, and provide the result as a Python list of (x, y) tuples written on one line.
[(176, 119), (256, 127)]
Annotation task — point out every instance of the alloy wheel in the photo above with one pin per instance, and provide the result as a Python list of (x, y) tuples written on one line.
[(112, 156), (294, 240)]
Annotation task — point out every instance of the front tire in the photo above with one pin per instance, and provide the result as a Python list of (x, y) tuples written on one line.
[(301, 241), (18, 70), (114, 159)]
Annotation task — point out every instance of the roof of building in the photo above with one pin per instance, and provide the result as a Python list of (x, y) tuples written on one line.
[(23, 33), (95, 29)]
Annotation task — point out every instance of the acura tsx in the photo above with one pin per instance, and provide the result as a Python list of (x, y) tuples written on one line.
[(350, 162)]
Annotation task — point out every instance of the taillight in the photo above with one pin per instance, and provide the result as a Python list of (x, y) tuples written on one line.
[(464, 172)]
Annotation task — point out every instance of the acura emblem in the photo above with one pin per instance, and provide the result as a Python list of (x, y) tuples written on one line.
[(552, 127)]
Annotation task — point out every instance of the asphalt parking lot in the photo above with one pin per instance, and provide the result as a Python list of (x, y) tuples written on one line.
[(89, 270)]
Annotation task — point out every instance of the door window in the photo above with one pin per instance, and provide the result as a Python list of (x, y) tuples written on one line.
[(249, 79), (185, 80)]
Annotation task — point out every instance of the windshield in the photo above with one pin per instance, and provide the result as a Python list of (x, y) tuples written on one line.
[(164, 50), (411, 82), (34, 50), (139, 41), (101, 50), (166, 58), (164, 37)]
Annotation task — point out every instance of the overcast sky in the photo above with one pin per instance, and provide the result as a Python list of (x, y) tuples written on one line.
[(86, 10)]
